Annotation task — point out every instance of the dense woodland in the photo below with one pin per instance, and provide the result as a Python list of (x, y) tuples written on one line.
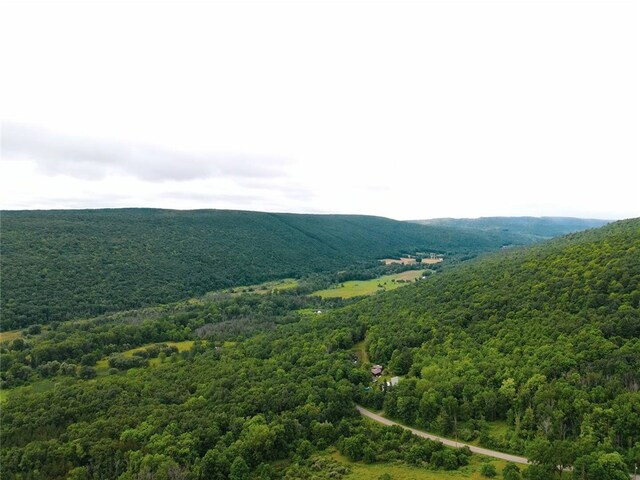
[(546, 338), (282, 390), (533, 350), (59, 265)]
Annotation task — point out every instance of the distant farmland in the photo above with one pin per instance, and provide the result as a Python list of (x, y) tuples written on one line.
[(357, 288), (410, 261)]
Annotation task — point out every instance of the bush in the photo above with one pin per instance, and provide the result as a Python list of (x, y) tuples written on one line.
[(34, 329), (511, 472), (488, 470), (87, 372), (121, 362)]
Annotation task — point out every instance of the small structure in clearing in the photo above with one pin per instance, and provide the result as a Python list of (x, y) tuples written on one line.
[(393, 382), (376, 370)]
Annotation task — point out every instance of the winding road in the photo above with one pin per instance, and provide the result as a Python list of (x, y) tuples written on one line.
[(446, 441), (453, 443)]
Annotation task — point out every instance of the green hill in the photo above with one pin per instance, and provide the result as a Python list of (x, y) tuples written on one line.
[(63, 264), (537, 228), (545, 341)]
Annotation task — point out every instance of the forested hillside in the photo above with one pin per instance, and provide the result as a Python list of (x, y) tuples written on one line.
[(528, 227), (546, 339), (262, 396), (533, 350), (62, 264)]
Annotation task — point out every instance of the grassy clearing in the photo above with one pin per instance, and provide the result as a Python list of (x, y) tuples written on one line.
[(10, 335), (39, 386), (498, 430), (403, 471), (260, 288), (181, 346), (360, 349), (357, 288), (102, 366)]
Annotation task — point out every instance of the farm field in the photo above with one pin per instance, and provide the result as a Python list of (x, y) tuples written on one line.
[(410, 261), (357, 288)]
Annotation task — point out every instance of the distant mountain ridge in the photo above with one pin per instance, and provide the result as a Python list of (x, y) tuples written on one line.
[(62, 264), (534, 228)]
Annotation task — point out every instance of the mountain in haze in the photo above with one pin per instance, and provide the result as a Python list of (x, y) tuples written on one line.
[(63, 264), (532, 228)]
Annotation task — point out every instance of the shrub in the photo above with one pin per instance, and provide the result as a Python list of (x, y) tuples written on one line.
[(488, 470)]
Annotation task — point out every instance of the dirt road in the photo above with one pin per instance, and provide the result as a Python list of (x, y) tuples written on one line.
[(446, 441)]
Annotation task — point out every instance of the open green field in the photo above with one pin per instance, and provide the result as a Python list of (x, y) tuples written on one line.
[(400, 470), (10, 335), (357, 288)]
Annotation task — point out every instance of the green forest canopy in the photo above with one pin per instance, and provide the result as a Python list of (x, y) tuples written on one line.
[(544, 340), (64, 264)]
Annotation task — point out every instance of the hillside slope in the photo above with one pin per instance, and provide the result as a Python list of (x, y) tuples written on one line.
[(62, 264), (546, 339), (533, 350)]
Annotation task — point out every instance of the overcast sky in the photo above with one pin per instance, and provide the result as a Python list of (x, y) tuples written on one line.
[(405, 110)]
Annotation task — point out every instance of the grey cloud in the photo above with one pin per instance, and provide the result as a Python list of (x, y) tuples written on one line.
[(94, 159)]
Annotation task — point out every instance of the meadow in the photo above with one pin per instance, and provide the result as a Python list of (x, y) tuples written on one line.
[(358, 288)]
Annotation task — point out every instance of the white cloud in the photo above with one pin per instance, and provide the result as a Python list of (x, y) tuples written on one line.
[(92, 159)]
